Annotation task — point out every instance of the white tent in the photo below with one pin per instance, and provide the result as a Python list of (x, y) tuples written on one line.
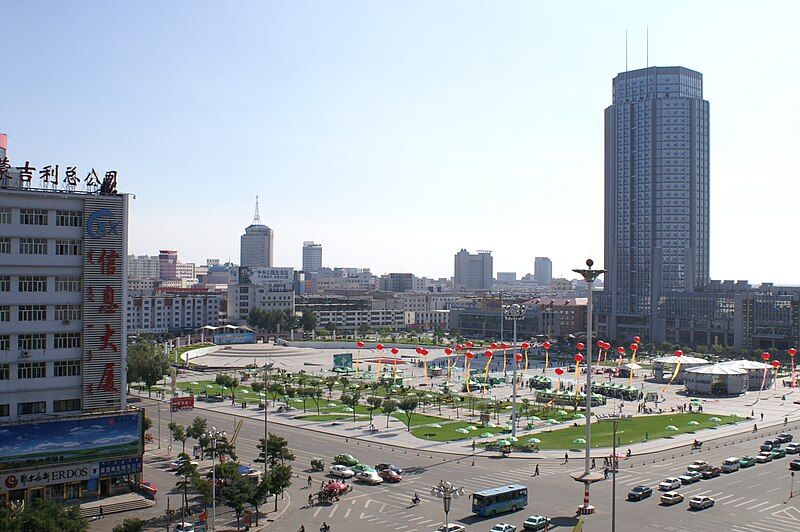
[(684, 360)]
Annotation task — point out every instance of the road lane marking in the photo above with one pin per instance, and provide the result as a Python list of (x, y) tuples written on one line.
[(733, 500), (769, 507), (318, 510), (333, 510), (347, 513), (745, 502), (757, 505)]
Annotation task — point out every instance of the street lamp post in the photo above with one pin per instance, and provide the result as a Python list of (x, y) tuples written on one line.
[(267, 367), (589, 275), (214, 434), (447, 492), (514, 313), (613, 418)]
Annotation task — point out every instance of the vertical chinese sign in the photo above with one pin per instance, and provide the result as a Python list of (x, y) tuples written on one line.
[(105, 234)]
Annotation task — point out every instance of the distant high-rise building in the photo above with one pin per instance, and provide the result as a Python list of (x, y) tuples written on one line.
[(312, 257), (656, 195), (168, 264), (144, 267), (542, 271), (473, 271), (257, 243), (506, 277)]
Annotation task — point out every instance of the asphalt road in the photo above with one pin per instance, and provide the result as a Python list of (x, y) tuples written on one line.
[(753, 499)]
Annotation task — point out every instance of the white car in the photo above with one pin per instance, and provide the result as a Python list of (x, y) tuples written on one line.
[(700, 502), (763, 457), (669, 483), (536, 523), (184, 527), (451, 528), (341, 471), (503, 527), (793, 448), (175, 464), (698, 465), (369, 477)]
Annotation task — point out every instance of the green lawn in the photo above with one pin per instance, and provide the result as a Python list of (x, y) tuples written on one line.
[(448, 431)]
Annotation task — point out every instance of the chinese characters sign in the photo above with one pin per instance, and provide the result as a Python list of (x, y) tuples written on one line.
[(103, 302), (56, 177), (283, 277)]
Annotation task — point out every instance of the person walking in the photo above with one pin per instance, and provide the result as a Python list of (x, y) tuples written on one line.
[(605, 473), (102, 512), (309, 481), (566, 457), (536, 471), (762, 416)]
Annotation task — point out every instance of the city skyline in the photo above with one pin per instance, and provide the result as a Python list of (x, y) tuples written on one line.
[(505, 98)]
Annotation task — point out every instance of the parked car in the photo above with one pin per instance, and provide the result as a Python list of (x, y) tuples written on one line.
[(700, 502), (671, 497), (763, 457), (345, 459), (175, 464), (640, 492), (381, 467), (778, 453), (711, 472), (729, 465), (369, 477), (451, 528), (784, 437), (794, 465), (184, 527), (698, 465), (359, 468), (503, 527), (793, 448), (536, 522), (690, 477), (747, 461), (768, 445), (669, 483), (149, 489), (341, 471), (390, 475)]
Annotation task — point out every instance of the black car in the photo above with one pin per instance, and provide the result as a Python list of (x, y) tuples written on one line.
[(381, 467), (794, 465), (639, 492), (711, 472), (784, 437), (768, 445)]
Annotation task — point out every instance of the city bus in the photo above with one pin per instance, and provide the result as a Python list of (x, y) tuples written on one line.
[(498, 500)]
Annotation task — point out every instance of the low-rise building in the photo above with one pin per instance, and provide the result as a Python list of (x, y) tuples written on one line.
[(263, 288), (173, 310)]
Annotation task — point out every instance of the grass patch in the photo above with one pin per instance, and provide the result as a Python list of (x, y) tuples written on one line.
[(448, 431), (419, 419)]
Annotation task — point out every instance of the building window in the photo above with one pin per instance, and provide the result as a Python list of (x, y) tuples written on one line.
[(31, 370), (5, 283), (32, 312), (68, 284), (5, 342), (66, 368), (4, 411), (37, 407), (5, 245), (33, 246), (5, 313), (66, 405), (32, 283), (5, 215), (5, 372), (31, 341), (66, 340), (69, 218), (68, 312), (68, 247), (33, 216)]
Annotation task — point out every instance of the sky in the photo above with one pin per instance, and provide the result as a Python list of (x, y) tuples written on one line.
[(395, 133)]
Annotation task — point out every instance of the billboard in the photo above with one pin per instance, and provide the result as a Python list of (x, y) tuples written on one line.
[(343, 360), (46, 476), (266, 276), (182, 403), (84, 439), (234, 338)]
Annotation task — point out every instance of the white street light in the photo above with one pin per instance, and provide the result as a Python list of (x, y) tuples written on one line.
[(514, 313), (214, 434), (447, 492)]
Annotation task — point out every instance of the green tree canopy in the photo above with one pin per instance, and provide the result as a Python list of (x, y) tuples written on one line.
[(147, 363)]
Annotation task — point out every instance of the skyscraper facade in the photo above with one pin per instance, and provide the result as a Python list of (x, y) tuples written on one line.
[(656, 195), (542, 271), (473, 271), (257, 244), (312, 257)]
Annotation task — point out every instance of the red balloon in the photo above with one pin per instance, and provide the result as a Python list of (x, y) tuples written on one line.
[(621, 350), (600, 344), (424, 352), (418, 349), (525, 345), (776, 364), (458, 347), (634, 347), (678, 353), (359, 344), (792, 351), (448, 351), (493, 346), (518, 357), (580, 346), (504, 346), (395, 351), (470, 355), (578, 357), (379, 347), (765, 356), (608, 346), (637, 339), (469, 344), (488, 354), (547, 345), (559, 371)]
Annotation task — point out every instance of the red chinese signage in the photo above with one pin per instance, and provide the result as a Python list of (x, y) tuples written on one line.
[(182, 403)]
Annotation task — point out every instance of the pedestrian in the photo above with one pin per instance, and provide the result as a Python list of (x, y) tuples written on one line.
[(762, 416), (473, 445), (310, 499), (301, 529), (605, 473), (593, 464), (566, 457), (785, 420), (752, 413), (102, 512), (536, 471), (309, 481)]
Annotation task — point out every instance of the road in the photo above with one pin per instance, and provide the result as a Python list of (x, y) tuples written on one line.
[(753, 499)]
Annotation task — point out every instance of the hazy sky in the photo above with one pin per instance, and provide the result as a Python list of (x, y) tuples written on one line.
[(397, 133)]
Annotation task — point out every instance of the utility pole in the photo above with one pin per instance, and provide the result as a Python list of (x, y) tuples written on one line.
[(514, 313)]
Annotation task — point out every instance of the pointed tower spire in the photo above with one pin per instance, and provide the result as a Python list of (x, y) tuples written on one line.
[(257, 217)]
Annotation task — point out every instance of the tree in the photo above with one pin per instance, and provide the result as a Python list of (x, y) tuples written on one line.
[(280, 478), (308, 320), (48, 516), (288, 320), (330, 382), (187, 470), (274, 390), (224, 448), (147, 423), (227, 381), (259, 494), (237, 493), (147, 363), (257, 386), (407, 406), (179, 434), (374, 404), (304, 393), (351, 400), (316, 396), (389, 406), (130, 524), (278, 450), (196, 430)]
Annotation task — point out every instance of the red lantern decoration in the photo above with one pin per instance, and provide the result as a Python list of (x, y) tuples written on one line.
[(578, 358), (518, 357), (488, 354), (504, 346), (470, 355), (791, 351), (765, 356), (608, 346), (634, 347), (448, 351), (493, 346), (776, 364), (525, 345), (621, 350), (580, 346), (600, 344), (559, 371), (678, 353), (469, 344), (459, 347), (395, 351), (423, 352), (547, 345), (359, 344), (637, 339), (379, 347)]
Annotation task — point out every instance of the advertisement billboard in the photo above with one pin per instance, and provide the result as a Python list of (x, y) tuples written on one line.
[(343, 360), (84, 439), (234, 338), (266, 276), (47, 476), (182, 403)]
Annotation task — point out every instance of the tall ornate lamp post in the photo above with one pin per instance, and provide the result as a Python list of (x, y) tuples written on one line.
[(447, 492), (587, 477), (214, 434), (514, 313), (615, 419)]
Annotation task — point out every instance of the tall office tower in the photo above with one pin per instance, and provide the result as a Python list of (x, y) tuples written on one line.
[(656, 195), (312, 257), (542, 271), (168, 264), (473, 271), (257, 243)]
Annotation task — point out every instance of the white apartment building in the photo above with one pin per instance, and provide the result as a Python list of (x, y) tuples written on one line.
[(260, 287), (143, 267), (173, 310), (350, 319)]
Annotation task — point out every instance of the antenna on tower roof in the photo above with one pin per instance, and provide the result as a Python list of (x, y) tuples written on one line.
[(257, 217), (647, 53)]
